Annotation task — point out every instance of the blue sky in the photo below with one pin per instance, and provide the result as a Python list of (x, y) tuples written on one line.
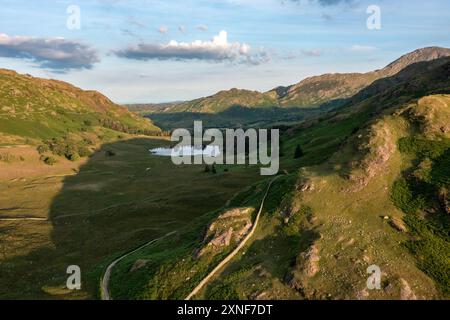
[(155, 51)]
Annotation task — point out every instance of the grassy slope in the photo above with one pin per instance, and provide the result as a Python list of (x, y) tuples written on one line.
[(225, 99), (109, 205), (114, 200), (42, 109), (338, 203), (345, 222)]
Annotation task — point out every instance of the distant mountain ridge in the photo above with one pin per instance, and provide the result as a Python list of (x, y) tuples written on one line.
[(309, 93)]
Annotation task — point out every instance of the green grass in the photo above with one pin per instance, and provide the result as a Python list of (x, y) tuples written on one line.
[(113, 203), (430, 242), (172, 271), (42, 109), (423, 148)]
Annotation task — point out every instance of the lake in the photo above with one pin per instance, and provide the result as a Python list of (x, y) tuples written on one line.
[(209, 151)]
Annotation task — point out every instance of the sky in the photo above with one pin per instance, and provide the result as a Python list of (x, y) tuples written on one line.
[(149, 51)]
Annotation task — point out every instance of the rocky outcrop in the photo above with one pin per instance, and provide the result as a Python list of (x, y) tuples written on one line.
[(231, 226), (406, 292), (377, 151)]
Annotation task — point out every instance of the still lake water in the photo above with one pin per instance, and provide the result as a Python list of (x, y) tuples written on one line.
[(209, 151)]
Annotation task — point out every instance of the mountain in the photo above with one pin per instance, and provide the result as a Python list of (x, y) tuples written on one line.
[(370, 192), (315, 91), (327, 89), (146, 108), (40, 109), (226, 99)]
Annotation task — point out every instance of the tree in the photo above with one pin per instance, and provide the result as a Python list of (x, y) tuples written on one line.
[(298, 152)]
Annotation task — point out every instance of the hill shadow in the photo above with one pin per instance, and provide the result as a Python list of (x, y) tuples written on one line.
[(119, 199)]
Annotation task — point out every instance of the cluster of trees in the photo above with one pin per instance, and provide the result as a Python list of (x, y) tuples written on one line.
[(65, 147), (121, 127)]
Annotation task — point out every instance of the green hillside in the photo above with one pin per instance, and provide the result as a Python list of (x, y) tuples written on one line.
[(226, 99), (371, 188), (41, 109)]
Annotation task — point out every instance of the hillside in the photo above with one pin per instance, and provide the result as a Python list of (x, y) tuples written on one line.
[(328, 89), (40, 109), (225, 99), (318, 90), (371, 188)]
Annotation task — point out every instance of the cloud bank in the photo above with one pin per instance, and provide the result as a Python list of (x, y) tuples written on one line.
[(56, 54), (216, 50)]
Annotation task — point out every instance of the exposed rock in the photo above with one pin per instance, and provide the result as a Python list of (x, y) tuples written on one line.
[(222, 240), (398, 224), (262, 295), (406, 292), (377, 153), (243, 232), (311, 261), (363, 294), (139, 264), (232, 224), (308, 186)]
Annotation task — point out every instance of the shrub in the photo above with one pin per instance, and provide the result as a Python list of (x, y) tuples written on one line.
[(423, 148), (440, 172), (402, 196), (73, 156), (65, 147), (49, 161), (84, 151), (43, 148)]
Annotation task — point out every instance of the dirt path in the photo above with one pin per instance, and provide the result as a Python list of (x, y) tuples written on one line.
[(105, 294), (235, 251), (23, 219)]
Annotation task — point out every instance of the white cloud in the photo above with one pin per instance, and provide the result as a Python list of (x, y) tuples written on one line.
[(216, 50), (57, 54)]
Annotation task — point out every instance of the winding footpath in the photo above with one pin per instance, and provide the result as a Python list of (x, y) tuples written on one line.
[(235, 251), (105, 294), (22, 219)]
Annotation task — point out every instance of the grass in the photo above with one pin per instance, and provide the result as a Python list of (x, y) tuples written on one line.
[(114, 202), (413, 194), (172, 275), (44, 109), (173, 270)]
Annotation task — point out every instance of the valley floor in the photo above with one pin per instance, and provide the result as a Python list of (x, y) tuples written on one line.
[(86, 212)]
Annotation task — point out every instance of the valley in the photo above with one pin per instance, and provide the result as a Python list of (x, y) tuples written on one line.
[(363, 181)]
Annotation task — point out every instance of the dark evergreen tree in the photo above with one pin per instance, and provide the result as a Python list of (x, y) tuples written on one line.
[(298, 152)]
